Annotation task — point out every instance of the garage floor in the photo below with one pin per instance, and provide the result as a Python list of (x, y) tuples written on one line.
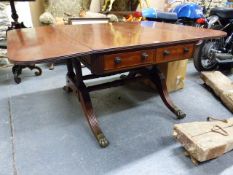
[(43, 131)]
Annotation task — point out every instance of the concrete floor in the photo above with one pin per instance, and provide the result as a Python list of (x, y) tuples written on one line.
[(43, 131)]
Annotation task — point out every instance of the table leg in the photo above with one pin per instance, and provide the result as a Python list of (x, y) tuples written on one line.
[(85, 101), (17, 71), (75, 83), (69, 76), (159, 80)]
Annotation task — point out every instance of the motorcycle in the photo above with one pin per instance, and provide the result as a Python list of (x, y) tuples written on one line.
[(213, 53)]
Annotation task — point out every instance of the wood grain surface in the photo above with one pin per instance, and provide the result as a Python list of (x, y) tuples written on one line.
[(48, 43), (221, 85), (172, 53), (128, 59)]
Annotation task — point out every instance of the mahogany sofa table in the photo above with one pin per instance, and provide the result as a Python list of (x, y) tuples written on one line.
[(108, 49)]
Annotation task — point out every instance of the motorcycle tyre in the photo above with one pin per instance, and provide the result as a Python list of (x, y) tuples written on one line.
[(197, 61)]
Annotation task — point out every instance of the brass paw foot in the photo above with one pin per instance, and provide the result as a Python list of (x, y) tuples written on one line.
[(103, 142), (180, 114), (67, 89)]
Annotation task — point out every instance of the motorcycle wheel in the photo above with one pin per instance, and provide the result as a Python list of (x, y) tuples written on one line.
[(203, 58)]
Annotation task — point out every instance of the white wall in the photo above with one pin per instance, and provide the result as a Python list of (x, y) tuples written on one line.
[(36, 8), (23, 11), (157, 4)]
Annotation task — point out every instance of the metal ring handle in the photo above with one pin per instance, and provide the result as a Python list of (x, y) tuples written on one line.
[(144, 56), (166, 52), (117, 60)]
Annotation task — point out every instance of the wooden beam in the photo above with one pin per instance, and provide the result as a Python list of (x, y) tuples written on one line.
[(221, 85), (205, 140)]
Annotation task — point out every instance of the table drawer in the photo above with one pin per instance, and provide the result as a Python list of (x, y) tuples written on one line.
[(172, 53), (128, 59)]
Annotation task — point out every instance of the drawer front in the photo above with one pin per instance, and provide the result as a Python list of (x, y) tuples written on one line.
[(172, 53), (128, 59)]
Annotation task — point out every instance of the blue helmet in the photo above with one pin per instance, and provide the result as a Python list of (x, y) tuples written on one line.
[(149, 13), (188, 10)]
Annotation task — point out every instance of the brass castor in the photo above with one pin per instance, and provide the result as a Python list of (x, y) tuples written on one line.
[(180, 114), (103, 142)]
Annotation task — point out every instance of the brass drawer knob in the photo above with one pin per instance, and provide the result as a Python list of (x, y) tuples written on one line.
[(186, 50), (144, 56), (117, 60), (166, 52)]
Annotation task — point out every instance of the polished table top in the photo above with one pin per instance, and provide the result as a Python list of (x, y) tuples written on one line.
[(48, 43)]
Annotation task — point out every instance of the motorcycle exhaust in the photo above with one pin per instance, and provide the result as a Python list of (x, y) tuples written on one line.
[(223, 58)]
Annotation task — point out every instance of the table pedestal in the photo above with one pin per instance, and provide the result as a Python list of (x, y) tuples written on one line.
[(75, 84)]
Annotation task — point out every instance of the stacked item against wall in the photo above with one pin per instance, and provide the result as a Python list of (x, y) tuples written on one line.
[(58, 11), (4, 23), (126, 10), (170, 4)]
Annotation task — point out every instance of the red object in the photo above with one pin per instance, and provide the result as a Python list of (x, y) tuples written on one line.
[(201, 21), (137, 14)]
